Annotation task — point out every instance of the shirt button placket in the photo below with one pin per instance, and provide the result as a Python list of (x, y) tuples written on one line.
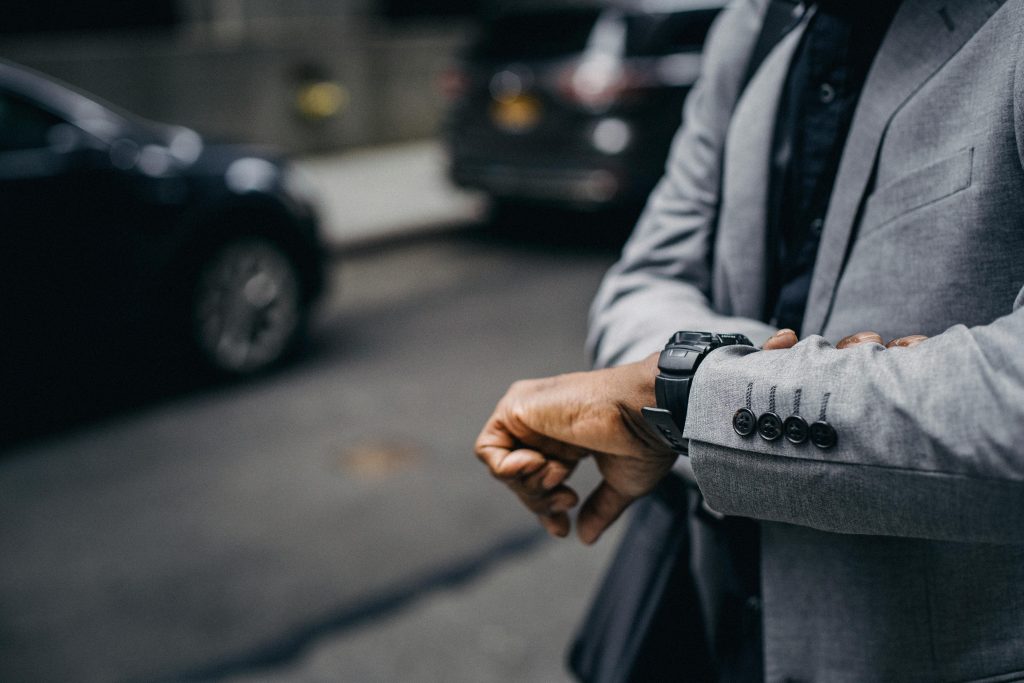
[(826, 93)]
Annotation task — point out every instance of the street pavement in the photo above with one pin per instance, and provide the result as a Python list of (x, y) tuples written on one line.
[(327, 522)]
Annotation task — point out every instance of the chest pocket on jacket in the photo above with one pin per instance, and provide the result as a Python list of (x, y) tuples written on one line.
[(918, 189)]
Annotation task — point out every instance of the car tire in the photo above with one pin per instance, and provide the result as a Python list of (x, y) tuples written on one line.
[(247, 310)]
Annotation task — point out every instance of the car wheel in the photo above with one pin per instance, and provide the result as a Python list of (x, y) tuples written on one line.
[(247, 306)]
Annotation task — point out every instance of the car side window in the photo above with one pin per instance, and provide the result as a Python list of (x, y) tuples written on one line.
[(657, 36), (23, 125)]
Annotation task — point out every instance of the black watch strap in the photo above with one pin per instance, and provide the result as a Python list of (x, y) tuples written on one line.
[(662, 420), (676, 366), (673, 394)]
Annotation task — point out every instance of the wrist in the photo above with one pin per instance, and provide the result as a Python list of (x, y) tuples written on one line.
[(676, 366), (641, 379), (646, 374)]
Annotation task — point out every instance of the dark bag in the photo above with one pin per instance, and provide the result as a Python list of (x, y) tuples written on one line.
[(645, 624)]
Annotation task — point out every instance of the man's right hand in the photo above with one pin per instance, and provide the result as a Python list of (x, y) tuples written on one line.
[(541, 429)]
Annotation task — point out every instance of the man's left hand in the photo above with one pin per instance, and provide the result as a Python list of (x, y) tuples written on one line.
[(786, 338)]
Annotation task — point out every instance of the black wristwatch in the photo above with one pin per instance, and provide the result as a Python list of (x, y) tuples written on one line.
[(676, 366)]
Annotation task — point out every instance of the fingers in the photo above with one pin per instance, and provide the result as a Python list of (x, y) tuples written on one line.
[(507, 465), (532, 475), (535, 477), (504, 454), (786, 338), (905, 342), (541, 498), (554, 516), (859, 339), (552, 508), (874, 338), (783, 339), (526, 471), (538, 483), (543, 485), (559, 500), (601, 508), (553, 473), (556, 524)]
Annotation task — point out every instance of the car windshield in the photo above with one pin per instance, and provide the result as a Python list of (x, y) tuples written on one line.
[(542, 34), (97, 117), (554, 33), (654, 35)]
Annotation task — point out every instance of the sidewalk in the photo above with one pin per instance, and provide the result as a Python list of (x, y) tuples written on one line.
[(380, 193)]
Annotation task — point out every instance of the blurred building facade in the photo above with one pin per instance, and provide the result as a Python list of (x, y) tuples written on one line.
[(306, 75)]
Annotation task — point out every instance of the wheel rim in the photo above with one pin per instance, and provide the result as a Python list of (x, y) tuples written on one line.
[(247, 306)]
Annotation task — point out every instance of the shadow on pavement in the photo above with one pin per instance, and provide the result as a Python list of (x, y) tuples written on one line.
[(45, 406), (291, 645)]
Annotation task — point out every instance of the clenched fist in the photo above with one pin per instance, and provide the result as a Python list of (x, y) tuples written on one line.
[(543, 428)]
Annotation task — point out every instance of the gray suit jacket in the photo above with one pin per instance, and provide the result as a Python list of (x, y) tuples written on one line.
[(899, 553)]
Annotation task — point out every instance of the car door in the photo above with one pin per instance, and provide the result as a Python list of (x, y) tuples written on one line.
[(61, 258)]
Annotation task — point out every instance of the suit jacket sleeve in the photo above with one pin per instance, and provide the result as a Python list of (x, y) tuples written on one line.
[(929, 437), (662, 283)]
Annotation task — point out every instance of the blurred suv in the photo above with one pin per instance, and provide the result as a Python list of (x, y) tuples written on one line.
[(121, 237), (573, 103)]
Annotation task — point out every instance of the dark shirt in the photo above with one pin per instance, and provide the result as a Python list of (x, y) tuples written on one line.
[(815, 112)]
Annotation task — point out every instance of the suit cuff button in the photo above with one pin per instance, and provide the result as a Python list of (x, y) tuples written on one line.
[(744, 422), (795, 428), (769, 426), (823, 435)]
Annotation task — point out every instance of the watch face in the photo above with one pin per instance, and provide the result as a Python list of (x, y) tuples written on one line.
[(731, 339), (692, 338), (685, 350)]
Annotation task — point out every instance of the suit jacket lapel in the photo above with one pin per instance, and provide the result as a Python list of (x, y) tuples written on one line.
[(924, 35), (742, 226)]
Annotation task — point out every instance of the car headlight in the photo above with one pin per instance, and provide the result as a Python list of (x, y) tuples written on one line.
[(250, 174), (612, 136)]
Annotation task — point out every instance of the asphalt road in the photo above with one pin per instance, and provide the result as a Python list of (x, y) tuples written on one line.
[(324, 523)]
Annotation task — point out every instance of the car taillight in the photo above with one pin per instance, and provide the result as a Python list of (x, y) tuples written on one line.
[(453, 82), (598, 83)]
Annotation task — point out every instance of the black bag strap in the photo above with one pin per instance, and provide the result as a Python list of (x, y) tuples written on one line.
[(779, 19)]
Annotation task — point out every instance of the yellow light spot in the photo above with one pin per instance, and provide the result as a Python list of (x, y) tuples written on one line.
[(516, 114), (321, 100)]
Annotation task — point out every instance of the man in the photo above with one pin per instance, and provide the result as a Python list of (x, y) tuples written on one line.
[(892, 538)]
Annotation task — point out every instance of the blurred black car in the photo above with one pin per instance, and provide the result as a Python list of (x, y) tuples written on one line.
[(573, 103), (121, 237)]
